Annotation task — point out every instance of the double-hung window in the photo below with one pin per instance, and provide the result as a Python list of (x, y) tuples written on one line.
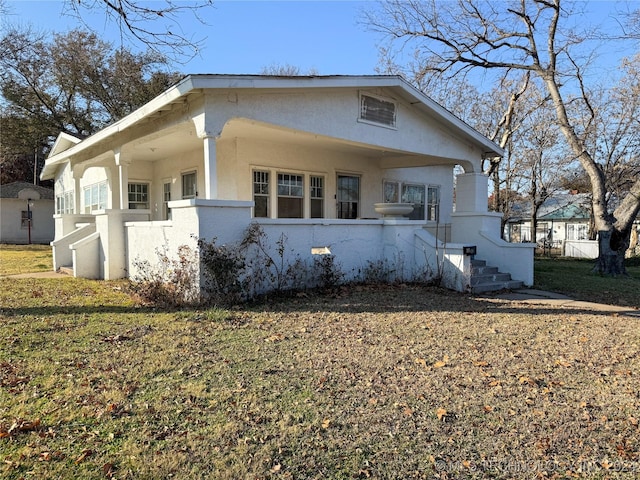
[(414, 194), (433, 203), (189, 185), (290, 195), (261, 194), (317, 196), (166, 198), (294, 195), (425, 199), (95, 197), (64, 203), (138, 196)]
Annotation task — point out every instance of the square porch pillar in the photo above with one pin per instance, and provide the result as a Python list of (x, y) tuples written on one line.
[(472, 192), (210, 168)]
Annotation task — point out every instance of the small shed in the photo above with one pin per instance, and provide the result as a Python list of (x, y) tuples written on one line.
[(26, 213)]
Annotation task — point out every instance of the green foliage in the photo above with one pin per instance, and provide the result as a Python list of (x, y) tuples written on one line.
[(574, 277), (72, 82), (377, 382)]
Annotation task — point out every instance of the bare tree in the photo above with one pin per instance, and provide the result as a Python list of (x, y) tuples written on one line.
[(159, 26), (286, 70), (536, 36)]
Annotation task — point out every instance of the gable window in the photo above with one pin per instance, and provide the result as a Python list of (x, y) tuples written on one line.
[(414, 194), (189, 185), (377, 110), (317, 196), (348, 196), (290, 195), (261, 194), (95, 197), (138, 196)]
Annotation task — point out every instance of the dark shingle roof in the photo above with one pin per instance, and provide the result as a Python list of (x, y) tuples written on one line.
[(11, 190)]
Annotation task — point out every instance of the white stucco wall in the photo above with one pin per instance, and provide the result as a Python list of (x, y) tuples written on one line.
[(42, 225)]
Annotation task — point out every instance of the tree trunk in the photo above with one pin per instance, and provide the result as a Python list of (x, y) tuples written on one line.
[(612, 248)]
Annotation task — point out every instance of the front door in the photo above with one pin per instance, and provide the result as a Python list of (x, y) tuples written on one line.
[(348, 196)]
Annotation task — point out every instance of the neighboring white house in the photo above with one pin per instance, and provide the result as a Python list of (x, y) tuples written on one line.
[(563, 225), (26, 213), (307, 157)]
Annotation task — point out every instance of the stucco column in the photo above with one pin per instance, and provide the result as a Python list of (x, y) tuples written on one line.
[(210, 168), (77, 173), (472, 192), (123, 180)]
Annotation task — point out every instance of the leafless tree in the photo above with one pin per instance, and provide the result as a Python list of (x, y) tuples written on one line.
[(543, 37), (162, 26)]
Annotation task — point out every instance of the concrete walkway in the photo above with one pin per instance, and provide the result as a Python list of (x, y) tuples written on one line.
[(48, 274), (541, 297)]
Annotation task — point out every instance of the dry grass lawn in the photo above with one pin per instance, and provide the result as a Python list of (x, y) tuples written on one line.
[(372, 382)]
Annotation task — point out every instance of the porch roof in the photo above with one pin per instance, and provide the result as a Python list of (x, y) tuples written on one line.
[(64, 148)]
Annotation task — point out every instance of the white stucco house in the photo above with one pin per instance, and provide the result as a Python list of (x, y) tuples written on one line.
[(26, 213), (305, 156)]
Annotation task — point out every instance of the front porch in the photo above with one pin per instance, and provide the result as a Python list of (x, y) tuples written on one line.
[(408, 250)]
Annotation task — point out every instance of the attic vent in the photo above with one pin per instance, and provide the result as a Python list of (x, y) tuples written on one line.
[(377, 110)]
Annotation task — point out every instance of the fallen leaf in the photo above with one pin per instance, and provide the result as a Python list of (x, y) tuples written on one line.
[(85, 453), (441, 413), (276, 468), (481, 364), (441, 363), (325, 423), (488, 408)]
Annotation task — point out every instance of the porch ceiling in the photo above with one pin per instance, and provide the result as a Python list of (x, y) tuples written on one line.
[(387, 158), (182, 138), (166, 143)]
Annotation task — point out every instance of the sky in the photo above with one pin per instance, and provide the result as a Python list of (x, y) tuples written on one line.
[(247, 36)]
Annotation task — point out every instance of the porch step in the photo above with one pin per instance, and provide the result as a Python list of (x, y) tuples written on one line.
[(67, 270), (488, 279)]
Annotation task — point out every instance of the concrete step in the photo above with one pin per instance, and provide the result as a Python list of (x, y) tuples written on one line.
[(486, 278), (67, 270), (496, 286), (484, 270), (490, 278)]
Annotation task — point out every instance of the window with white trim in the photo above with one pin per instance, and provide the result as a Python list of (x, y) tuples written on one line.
[(261, 194), (138, 196), (577, 231), (26, 217), (290, 195), (166, 198), (348, 196), (391, 191), (65, 203), (95, 197), (414, 194), (433, 203), (425, 198), (317, 196), (377, 110), (189, 185)]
